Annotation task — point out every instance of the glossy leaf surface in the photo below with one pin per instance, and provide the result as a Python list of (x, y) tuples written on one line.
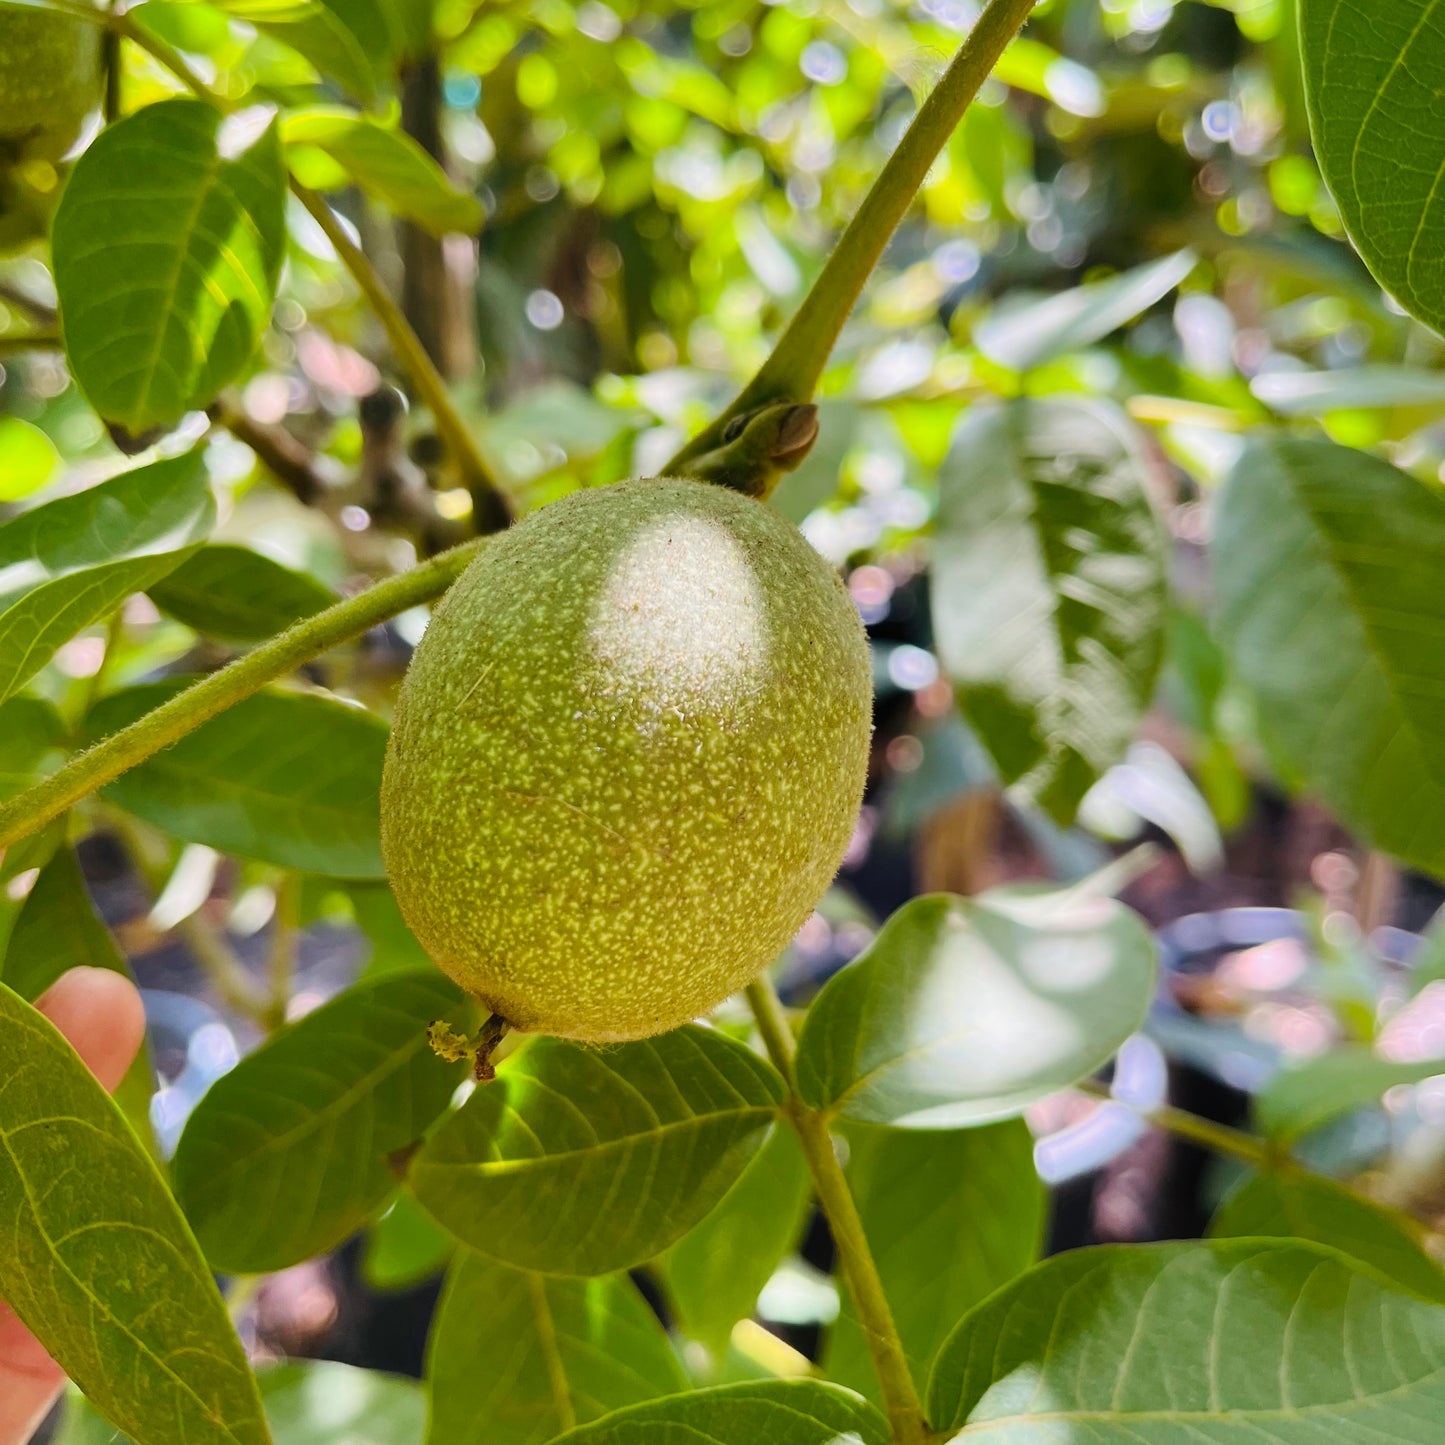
[(949, 1218), (1327, 564), (582, 1162), (237, 594), (284, 777), (68, 563), (97, 1260), (964, 1011), (287, 1155), (58, 929), (167, 246), (1230, 1341), (32, 735), (1305, 1206), (1372, 79), (321, 1402), (782, 1412), (308, 1402), (716, 1272)]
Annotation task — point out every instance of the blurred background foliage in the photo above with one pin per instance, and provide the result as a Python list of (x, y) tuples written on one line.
[(640, 194)]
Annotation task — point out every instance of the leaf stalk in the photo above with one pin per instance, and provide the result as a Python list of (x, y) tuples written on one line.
[(1258, 1153), (173, 719), (796, 364), (855, 1259)]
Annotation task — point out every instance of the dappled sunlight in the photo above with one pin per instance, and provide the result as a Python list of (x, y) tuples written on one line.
[(984, 1026), (334, 1400), (681, 618), (1014, 1405), (965, 1014), (1066, 963)]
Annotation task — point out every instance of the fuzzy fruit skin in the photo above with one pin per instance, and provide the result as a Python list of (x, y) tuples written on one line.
[(49, 81), (627, 758)]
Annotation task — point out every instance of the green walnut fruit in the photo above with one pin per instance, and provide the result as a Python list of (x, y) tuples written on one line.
[(49, 81), (627, 758)]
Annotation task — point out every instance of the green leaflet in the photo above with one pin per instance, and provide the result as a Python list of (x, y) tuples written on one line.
[(950, 1217), (1049, 589), (308, 1402), (404, 1247), (32, 735), (1305, 1206), (584, 1161), (1024, 337), (97, 1260), (964, 1011), (348, 41), (167, 245), (387, 163), (1237, 1340), (320, 1402), (1371, 84), (284, 777), (506, 1344), (67, 564), (287, 1154), (58, 929), (1305, 1096), (238, 595), (1327, 564), (780, 1412), (716, 1272)]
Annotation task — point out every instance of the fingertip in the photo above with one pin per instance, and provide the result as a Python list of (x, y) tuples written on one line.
[(99, 1011)]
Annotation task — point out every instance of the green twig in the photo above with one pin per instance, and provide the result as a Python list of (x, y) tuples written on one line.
[(111, 62), (1220, 1138), (797, 361), (158, 729), (95, 684), (125, 26), (855, 1259), (412, 355), (218, 961), (30, 341), (1250, 1149)]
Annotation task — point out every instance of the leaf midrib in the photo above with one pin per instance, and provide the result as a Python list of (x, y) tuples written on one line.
[(1224, 1414), (495, 1167), (313, 1122), (1360, 611)]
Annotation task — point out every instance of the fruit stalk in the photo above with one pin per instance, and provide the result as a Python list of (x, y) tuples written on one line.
[(792, 371), (112, 756), (895, 1379)]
